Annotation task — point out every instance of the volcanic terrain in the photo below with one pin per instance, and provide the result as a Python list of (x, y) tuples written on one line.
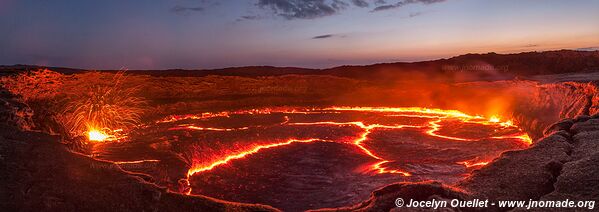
[(346, 138)]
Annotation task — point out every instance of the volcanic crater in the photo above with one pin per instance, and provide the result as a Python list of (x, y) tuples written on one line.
[(344, 138)]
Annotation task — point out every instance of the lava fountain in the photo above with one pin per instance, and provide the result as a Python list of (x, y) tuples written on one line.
[(338, 155), (96, 135)]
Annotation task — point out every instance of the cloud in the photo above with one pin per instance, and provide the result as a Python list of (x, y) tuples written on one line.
[(323, 36), (311, 9), (404, 3), (327, 36), (592, 48), (414, 14), (249, 18), (186, 10), (380, 2), (360, 3), (302, 9)]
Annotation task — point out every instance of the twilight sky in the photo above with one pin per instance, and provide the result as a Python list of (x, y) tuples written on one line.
[(199, 34)]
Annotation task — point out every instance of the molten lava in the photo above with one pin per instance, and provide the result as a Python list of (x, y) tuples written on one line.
[(494, 119), (96, 135), (469, 164)]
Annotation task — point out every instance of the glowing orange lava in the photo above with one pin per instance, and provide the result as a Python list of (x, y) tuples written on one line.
[(473, 164), (96, 135), (494, 119), (137, 161), (520, 136), (191, 127), (434, 127)]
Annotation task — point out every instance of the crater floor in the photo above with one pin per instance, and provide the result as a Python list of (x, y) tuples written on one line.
[(301, 158)]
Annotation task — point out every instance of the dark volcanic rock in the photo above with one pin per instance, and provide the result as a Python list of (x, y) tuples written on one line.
[(521, 175), (588, 125), (384, 198), (561, 125), (587, 144), (578, 181), (13, 112), (39, 174), (581, 118)]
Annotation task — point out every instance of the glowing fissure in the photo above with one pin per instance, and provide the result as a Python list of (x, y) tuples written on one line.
[(363, 137), (520, 136), (420, 110), (440, 115), (435, 126), (469, 164), (137, 161), (175, 118), (377, 166), (245, 153), (191, 127)]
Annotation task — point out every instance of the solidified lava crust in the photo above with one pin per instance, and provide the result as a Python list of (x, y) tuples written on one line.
[(336, 155)]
